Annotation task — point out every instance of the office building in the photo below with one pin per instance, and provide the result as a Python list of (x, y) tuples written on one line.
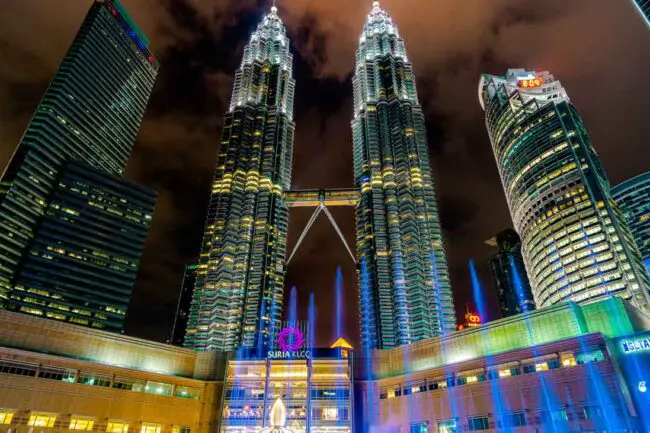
[(90, 112), (562, 368), (575, 241), (84, 258), (509, 274), (239, 285), (633, 197), (643, 6), (405, 293), (179, 328)]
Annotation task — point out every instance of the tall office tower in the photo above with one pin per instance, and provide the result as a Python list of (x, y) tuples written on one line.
[(405, 290), (644, 9), (84, 258), (179, 327), (575, 241), (239, 286), (509, 273), (90, 112), (633, 197)]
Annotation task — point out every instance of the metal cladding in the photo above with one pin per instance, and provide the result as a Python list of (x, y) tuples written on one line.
[(403, 275), (239, 289), (633, 197), (575, 241), (91, 112)]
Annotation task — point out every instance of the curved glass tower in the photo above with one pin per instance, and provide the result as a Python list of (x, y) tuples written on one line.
[(633, 197), (576, 244), (238, 296), (403, 275)]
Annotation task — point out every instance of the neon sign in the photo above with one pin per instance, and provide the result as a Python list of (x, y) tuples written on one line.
[(290, 341), (530, 83), (638, 345)]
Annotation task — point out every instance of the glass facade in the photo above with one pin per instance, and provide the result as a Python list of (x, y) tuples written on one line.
[(83, 261), (403, 276), (90, 112), (510, 277), (316, 394), (239, 286), (643, 7), (633, 197), (184, 304), (575, 241)]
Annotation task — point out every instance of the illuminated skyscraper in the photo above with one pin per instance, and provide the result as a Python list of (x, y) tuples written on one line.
[(83, 261), (633, 197), (403, 275), (509, 273), (644, 9), (575, 241), (91, 112), (179, 328), (238, 296)]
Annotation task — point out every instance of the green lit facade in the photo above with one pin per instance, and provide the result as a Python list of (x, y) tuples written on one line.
[(90, 112), (575, 241), (633, 197), (84, 258), (239, 289), (405, 293)]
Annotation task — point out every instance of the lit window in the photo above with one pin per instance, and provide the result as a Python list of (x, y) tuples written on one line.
[(148, 427), (42, 420), (541, 367), (81, 424), (6, 417), (329, 414), (117, 427), (180, 429), (505, 373)]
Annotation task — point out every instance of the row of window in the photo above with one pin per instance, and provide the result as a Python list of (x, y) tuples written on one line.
[(49, 420), (499, 372), (516, 419), (69, 375)]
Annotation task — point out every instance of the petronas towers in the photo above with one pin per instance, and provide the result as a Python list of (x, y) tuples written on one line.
[(405, 295)]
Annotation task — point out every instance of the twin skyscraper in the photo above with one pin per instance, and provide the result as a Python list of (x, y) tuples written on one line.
[(405, 294)]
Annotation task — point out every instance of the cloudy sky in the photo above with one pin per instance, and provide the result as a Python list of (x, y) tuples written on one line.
[(599, 49)]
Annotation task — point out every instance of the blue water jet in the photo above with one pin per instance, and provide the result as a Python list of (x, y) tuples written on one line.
[(311, 316), (498, 402), (293, 307), (339, 302)]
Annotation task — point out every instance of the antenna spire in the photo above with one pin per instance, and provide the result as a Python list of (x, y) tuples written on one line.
[(274, 8)]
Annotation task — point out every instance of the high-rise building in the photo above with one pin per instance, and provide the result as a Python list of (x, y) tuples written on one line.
[(239, 286), (575, 241), (644, 9), (179, 327), (633, 197), (403, 275), (83, 260), (509, 273), (90, 112)]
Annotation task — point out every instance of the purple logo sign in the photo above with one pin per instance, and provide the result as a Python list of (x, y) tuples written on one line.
[(290, 339)]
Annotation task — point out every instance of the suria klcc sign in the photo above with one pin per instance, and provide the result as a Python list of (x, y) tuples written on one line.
[(636, 345), (290, 342)]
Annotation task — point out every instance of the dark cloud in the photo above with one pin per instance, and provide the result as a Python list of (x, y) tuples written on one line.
[(597, 48)]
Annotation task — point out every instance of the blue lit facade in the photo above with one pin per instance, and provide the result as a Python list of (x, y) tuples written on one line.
[(91, 112), (83, 260), (510, 277), (239, 288), (633, 197), (403, 276), (576, 244)]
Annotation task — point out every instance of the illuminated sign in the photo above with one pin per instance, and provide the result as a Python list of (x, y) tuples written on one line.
[(638, 345), (642, 386), (530, 83), (290, 341), (473, 319)]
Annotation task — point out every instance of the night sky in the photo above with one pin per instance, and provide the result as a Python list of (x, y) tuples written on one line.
[(599, 49)]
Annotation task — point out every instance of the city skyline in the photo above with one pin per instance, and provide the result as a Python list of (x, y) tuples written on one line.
[(489, 164)]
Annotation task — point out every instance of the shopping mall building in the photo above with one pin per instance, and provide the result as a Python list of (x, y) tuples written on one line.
[(563, 368)]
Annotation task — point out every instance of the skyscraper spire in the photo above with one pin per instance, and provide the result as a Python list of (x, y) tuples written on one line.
[(238, 296), (406, 293)]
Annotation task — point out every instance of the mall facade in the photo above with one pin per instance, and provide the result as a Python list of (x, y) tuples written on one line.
[(561, 368)]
